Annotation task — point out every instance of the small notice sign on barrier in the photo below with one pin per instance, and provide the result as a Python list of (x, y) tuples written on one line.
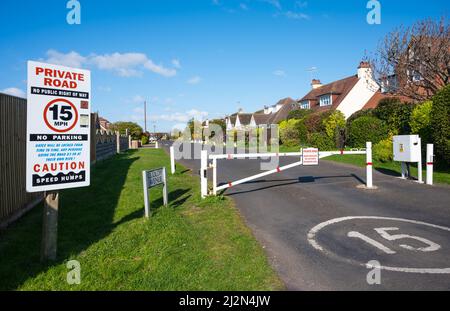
[(310, 156)]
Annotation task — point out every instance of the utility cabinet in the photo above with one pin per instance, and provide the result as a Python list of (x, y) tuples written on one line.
[(407, 148)]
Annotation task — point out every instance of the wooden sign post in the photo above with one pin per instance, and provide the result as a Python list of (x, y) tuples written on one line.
[(151, 179), (50, 226)]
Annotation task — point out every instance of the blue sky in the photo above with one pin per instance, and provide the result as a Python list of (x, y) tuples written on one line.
[(202, 58)]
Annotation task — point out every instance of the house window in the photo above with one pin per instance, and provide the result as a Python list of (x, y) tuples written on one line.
[(325, 100), (305, 104)]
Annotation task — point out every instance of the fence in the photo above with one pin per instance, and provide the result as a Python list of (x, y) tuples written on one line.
[(14, 200)]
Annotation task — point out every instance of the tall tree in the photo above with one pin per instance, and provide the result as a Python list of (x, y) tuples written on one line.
[(134, 128), (415, 61)]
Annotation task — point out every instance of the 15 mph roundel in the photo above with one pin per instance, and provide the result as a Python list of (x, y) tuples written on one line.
[(60, 115)]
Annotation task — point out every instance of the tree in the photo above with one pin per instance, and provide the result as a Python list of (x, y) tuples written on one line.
[(415, 60), (134, 128), (395, 114)]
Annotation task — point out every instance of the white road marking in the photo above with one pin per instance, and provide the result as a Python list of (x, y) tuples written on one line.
[(365, 238), (392, 237), (312, 234)]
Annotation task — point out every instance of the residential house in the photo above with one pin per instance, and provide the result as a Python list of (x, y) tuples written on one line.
[(104, 124), (347, 95), (239, 120)]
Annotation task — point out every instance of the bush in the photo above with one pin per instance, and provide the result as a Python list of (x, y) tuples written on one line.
[(420, 121), (321, 141), (364, 129), (314, 121), (302, 132), (395, 114), (383, 150), (359, 113), (440, 126), (144, 139), (298, 114), (289, 134)]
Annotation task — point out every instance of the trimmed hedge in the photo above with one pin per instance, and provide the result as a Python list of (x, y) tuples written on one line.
[(395, 114), (440, 126), (364, 129)]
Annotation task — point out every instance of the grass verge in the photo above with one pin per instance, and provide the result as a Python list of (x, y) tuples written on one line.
[(192, 244)]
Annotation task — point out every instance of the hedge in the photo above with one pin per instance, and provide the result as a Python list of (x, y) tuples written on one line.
[(440, 126), (364, 129)]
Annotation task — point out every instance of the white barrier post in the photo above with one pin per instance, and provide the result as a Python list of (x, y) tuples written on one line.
[(419, 164), (369, 165), (156, 145), (214, 176), (203, 171), (172, 160), (430, 164)]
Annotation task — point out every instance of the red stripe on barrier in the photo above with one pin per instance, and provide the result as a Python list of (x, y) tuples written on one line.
[(429, 163), (278, 169), (230, 185), (342, 151), (369, 163), (229, 156)]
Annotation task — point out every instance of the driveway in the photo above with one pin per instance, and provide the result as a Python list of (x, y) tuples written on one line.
[(320, 229)]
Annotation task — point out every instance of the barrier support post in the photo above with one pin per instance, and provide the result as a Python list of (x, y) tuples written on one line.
[(214, 176), (430, 159), (369, 165), (419, 164), (203, 172), (172, 160)]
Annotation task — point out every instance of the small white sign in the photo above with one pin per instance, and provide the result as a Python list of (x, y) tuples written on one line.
[(152, 179), (58, 117), (310, 156)]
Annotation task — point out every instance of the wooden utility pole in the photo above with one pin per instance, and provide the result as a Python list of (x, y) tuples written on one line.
[(145, 116), (50, 226)]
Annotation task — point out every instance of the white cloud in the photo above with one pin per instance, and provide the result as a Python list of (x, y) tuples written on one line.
[(176, 63), (194, 80), (180, 117), (71, 59), (122, 64), (274, 3), (243, 6), (104, 88), (301, 4), (280, 73), (14, 92), (295, 15)]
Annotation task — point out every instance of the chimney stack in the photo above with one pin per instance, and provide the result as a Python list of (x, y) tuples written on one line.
[(364, 70), (315, 83)]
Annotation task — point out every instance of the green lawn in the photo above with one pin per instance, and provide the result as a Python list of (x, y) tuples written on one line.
[(389, 167), (189, 245)]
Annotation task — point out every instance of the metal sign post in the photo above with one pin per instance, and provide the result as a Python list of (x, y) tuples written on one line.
[(50, 226), (152, 179)]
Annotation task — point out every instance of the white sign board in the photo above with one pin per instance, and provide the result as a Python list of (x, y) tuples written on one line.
[(310, 156), (58, 127)]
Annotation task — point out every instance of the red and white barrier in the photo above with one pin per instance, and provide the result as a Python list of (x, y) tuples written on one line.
[(430, 161), (205, 157)]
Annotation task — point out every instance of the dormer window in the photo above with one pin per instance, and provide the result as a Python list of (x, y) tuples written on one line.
[(325, 100), (305, 105)]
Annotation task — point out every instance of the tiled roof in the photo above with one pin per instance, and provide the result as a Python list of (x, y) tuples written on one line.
[(340, 87), (288, 104), (261, 118), (245, 118), (373, 102)]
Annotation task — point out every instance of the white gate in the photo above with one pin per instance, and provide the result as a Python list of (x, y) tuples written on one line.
[(322, 154)]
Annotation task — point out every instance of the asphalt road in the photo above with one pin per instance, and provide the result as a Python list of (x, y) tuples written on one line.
[(297, 216)]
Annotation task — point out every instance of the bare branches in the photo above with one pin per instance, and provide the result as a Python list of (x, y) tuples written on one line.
[(414, 61)]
